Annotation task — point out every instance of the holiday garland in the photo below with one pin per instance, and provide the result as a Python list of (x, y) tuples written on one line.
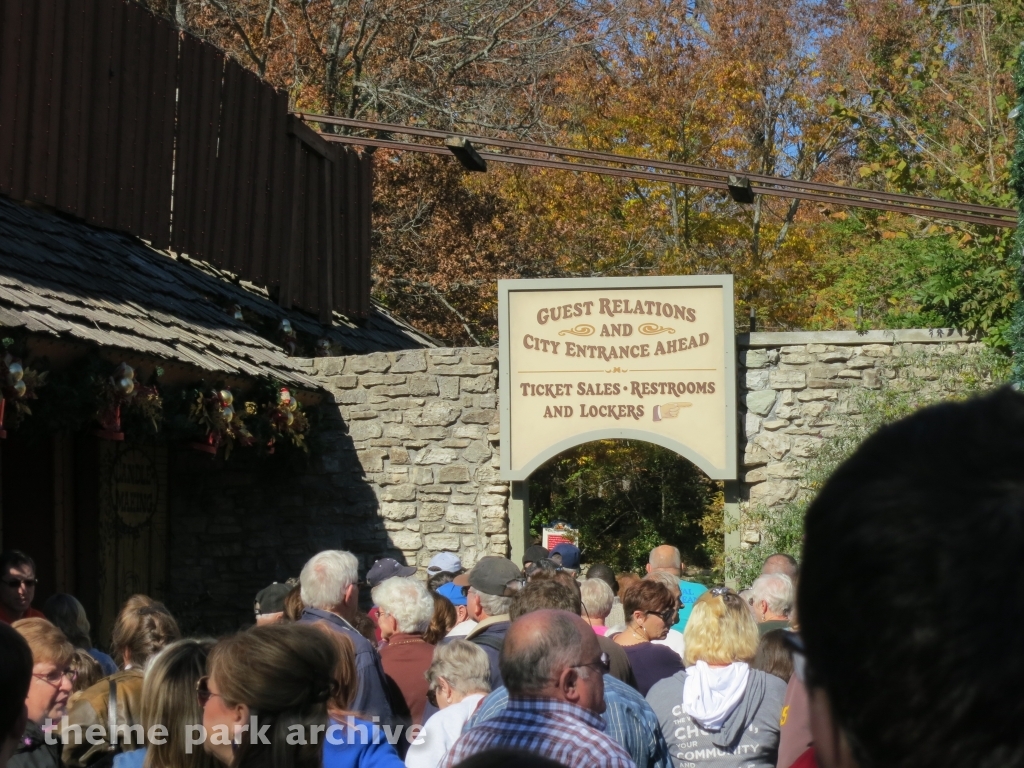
[(116, 404)]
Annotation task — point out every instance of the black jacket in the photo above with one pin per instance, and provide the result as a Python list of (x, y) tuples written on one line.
[(34, 752)]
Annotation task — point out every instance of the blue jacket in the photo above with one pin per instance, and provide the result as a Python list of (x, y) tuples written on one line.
[(372, 697), (360, 747)]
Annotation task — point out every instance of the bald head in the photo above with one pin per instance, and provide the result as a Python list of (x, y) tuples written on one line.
[(540, 645), (665, 559), (780, 563)]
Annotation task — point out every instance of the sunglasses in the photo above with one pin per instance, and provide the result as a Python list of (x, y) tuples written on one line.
[(16, 583), (725, 593), (669, 616), (203, 692), (512, 586), (432, 694)]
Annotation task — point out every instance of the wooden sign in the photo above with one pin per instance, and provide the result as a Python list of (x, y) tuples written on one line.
[(632, 358)]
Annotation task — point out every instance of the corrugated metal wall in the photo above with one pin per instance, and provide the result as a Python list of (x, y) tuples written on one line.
[(89, 125)]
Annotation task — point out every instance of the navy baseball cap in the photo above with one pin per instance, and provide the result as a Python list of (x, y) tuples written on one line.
[(386, 568), (569, 553)]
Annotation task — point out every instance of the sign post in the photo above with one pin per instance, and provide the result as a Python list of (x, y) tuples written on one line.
[(615, 358)]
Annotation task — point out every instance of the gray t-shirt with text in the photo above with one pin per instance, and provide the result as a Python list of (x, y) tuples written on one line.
[(749, 738)]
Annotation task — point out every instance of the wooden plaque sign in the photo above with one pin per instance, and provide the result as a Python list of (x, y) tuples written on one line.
[(633, 358)]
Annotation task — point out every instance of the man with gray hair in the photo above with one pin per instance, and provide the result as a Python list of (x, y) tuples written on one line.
[(330, 593), (553, 668), (772, 598), (488, 598)]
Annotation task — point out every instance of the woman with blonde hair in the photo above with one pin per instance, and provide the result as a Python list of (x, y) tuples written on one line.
[(48, 691), (169, 700), (719, 711)]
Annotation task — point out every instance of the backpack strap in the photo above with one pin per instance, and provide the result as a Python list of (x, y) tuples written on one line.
[(112, 714)]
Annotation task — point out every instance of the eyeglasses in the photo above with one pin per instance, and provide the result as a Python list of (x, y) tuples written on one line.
[(54, 678), (203, 692), (603, 663), (16, 583)]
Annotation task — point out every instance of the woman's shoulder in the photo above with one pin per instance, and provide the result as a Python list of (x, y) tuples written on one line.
[(668, 689), (775, 687)]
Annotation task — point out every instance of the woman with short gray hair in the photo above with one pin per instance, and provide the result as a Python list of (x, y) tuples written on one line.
[(406, 608), (597, 600), (458, 680)]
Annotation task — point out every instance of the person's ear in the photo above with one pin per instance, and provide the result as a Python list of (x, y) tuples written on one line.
[(638, 617), (568, 683), (648, 567), (830, 744), (351, 595)]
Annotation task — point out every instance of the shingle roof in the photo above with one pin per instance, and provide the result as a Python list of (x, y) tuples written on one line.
[(64, 278)]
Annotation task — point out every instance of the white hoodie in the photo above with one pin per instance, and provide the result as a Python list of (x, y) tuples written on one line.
[(710, 694)]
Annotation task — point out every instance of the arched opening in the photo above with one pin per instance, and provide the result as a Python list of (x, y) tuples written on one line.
[(628, 496)]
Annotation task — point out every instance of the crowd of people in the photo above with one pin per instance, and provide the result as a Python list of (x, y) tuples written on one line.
[(553, 664)]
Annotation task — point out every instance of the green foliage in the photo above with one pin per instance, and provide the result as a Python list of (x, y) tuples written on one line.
[(1016, 260), (911, 279), (627, 497), (956, 376)]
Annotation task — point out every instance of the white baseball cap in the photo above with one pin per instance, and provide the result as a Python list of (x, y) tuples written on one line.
[(447, 562)]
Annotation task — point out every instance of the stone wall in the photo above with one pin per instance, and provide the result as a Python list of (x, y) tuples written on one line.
[(794, 388), (424, 427), (407, 467)]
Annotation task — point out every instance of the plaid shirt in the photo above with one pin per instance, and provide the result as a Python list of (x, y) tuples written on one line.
[(560, 731), (629, 718)]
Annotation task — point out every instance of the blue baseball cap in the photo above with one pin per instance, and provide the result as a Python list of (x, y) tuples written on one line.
[(569, 553), (453, 592)]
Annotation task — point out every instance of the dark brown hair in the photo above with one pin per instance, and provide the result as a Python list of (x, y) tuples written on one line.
[(285, 672), (773, 655), (442, 621), (649, 596), (625, 581), (544, 593)]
